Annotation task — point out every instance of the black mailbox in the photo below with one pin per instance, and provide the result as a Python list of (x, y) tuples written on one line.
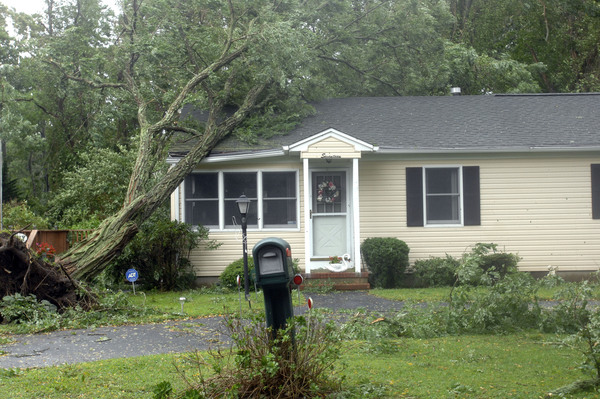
[(274, 270), (273, 263)]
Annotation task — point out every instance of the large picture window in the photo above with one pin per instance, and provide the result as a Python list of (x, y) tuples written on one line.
[(210, 199), (442, 196)]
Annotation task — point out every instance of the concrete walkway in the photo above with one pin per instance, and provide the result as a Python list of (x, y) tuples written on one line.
[(85, 345)]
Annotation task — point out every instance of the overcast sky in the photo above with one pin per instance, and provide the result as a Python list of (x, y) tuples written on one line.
[(28, 6), (33, 6)]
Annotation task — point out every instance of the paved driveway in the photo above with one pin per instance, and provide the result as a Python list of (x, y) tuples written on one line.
[(84, 345)]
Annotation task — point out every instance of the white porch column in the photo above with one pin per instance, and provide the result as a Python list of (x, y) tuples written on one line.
[(356, 215), (307, 212)]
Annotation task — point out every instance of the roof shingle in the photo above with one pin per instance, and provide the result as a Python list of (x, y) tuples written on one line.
[(450, 123)]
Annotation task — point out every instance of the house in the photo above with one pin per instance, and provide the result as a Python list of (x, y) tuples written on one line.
[(440, 173)]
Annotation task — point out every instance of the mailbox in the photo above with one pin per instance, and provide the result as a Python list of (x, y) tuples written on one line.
[(274, 270), (273, 263)]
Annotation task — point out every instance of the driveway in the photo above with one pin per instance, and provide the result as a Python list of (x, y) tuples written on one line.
[(86, 345)]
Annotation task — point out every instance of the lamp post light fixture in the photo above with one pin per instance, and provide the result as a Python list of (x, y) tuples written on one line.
[(243, 204)]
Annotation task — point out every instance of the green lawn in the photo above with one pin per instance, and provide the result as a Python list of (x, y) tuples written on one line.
[(441, 294), (523, 365), (513, 366), (201, 303)]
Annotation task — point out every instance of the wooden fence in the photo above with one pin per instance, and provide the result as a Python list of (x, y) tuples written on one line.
[(61, 240)]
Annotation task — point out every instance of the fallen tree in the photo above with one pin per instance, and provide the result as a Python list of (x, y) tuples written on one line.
[(216, 81)]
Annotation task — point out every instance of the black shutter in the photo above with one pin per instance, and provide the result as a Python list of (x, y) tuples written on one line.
[(595, 191), (472, 213), (414, 197)]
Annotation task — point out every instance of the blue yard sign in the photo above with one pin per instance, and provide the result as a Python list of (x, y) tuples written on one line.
[(132, 275)]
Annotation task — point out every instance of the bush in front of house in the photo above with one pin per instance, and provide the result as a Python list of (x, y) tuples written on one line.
[(228, 277), (436, 271), (387, 259), (159, 252), (483, 265), (502, 263)]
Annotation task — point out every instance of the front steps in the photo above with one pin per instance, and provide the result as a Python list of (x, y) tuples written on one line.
[(344, 281)]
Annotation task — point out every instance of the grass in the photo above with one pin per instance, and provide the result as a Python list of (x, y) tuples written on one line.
[(115, 378), (523, 365), (512, 366), (202, 303), (149, 307), (198, 303), (441, 294)]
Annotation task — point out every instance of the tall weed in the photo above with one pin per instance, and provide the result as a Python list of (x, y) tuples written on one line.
[(300, 362)]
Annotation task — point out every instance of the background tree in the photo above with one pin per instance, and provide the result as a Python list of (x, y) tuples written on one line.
[(560, 34)]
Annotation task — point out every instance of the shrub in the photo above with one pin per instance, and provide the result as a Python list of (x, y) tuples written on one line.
[(436, 272), (228, 277), (484, 265), (28, 310), (500, 262), (387, 258), (159, 252)]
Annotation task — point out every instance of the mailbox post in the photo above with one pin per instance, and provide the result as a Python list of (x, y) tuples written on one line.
[(275, 274)]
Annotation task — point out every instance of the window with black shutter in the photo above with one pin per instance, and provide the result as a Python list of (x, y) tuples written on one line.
[(443, 196)]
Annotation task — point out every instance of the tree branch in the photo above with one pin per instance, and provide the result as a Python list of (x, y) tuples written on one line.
[(82, 80), (361, 72), (183, 129)]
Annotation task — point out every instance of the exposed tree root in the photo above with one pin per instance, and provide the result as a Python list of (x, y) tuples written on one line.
[(22, 272)]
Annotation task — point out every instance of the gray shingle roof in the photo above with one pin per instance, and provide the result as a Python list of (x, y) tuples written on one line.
[(450, 123)]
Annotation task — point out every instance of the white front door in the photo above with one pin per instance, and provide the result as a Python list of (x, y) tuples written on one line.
[(330, 215)]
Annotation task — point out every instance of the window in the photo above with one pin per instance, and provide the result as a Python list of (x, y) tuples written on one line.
[(202, 199), (442, 196), (279, 199), (210, 199), (236, 184)]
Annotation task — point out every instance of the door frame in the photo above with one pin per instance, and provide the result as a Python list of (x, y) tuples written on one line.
[(346, 210), (312, 262)]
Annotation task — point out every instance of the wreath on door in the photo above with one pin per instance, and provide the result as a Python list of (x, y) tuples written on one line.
[(327, 192)]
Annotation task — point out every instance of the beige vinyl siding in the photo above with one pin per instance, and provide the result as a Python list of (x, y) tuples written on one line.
[(538, 207), (210, 263), (535, 205)]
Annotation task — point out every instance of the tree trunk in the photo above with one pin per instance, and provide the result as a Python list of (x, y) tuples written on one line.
[(87, 260), (90, 257)]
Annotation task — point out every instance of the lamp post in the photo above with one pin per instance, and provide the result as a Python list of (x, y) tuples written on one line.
[(243, 204)]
